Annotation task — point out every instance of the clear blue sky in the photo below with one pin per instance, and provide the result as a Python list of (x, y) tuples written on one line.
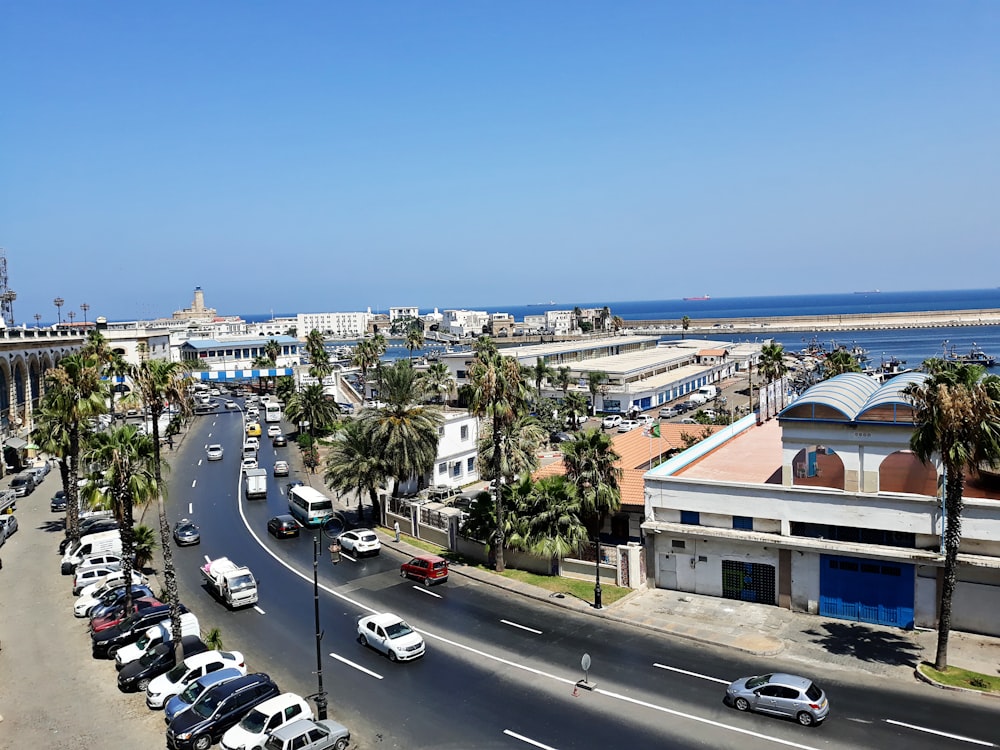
[(310, 156)]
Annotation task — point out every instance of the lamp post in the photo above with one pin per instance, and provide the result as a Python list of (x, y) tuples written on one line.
[(84, 306), (597, 573), (72, 316), (320, 693), (59, 302), (8, 303), (38, 319)]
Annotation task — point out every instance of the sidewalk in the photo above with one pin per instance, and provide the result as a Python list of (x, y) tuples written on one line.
[(762, 630)]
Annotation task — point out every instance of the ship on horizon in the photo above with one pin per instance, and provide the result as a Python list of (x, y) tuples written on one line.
[(702, 298)]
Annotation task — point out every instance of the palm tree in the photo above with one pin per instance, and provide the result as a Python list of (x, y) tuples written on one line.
[(575, 404), (261, 363), (957, 422), (145, 544), (538, 372), (838, 362), (159, 382), (552, 518), (772, 362), (595, 380), (355, 465), (213, 639), (72, 396), (272, 350), (564, 379), (498, 394), (312, 405), (521, 457), (438, 382), (126, 458), (415, 337), (365, 357), (592, 466), (685, 324)]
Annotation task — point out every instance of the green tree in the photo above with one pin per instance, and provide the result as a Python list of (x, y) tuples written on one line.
[(415, 337), (365, 358), (592, 466), (526, 436), (438, 382), (956, 422), (772, 362), (564, 379), (596, 380), (312, 405), (575, 405), (159, 383), (551, 515), (213, 639), (538, 373), (685, 325), (498, 394), (145, 545), (355, 464), (838, 362), (285, 388)]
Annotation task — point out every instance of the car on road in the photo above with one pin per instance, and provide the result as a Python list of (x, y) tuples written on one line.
[(273, 430), (249, 462), (186, 533), (161, 689), (611, 420), (218, 709), (283, 526), (279, 441), (426, 568), (391, 635), (136, 675), (23, 484), (231, 405), (306, 734), (669, 411), (627, 425), (8, 525), (253, 429), (281, 468), (58, 501), (360, 542), (214, 452), (780, 694)]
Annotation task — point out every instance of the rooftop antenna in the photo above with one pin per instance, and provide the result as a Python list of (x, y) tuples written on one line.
[(7, 296)]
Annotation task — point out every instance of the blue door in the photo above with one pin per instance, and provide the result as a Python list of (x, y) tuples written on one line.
[(875, 591)]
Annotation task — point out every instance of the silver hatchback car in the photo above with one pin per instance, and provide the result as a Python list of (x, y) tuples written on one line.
[(781, 694)]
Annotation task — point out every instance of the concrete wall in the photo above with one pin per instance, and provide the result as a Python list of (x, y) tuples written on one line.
[(584, 571)]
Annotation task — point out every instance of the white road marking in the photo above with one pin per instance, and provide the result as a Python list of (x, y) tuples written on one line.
[(692, 674), (427, 591), (344, 554), (527, 740), (358, 667), (194, 482), (190, 508), (199, 462), (523, 627), (941, 734), (259, 610)]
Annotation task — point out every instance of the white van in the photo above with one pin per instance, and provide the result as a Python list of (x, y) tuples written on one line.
[(309, 506), (710, 392), (155, 636), (91, 544), (264, 718)]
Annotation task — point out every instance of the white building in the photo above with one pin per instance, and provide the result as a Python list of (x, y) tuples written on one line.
[(465, 322), (238, 355), (824, 510), (402, 313), (458, 438), (559, 322), (337, 325)]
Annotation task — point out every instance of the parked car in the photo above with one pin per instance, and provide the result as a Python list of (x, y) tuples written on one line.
[(427, 568), (577, 420), (186, 533), (83, 577), (279, 441), (689, 420), (175, 681), (23, 484), (111, 618), (627, 425), (645, 420), (116, 598), (283, 526), (91, 595), (667, 412), (560, 437), (192, 691), (214, 452), (8, 525), (161, 658), (782, 695), (360, 542), (102, 558), (106, 643), (58, 501), (611, 420), (281, 468), (217, 710), (306, 734), (264, 718), (688, 405), (391, 635)]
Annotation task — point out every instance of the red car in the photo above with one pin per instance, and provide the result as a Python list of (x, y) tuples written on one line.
[(427, 568), (110, 620)]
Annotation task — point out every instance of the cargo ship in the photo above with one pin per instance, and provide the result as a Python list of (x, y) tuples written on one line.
[(703, 298)]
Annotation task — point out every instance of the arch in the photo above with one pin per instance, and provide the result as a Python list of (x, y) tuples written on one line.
[(34, 381), (817, 466), (902, 471)]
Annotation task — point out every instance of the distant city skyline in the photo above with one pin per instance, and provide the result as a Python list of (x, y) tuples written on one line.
[(326, 156)]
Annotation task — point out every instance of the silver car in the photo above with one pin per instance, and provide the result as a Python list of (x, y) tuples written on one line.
[(781, 694)]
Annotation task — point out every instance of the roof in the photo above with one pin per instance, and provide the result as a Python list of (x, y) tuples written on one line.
[(713, 353), (238, 343), (855, 397)]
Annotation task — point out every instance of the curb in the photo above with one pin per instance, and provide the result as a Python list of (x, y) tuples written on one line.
[(955, 688)]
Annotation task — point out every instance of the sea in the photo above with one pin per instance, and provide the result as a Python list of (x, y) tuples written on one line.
[(912, 346)]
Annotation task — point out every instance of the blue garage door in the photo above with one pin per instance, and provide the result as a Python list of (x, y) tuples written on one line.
[(872, 591)]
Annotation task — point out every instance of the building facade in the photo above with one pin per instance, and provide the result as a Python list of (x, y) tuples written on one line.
[(337, 325)]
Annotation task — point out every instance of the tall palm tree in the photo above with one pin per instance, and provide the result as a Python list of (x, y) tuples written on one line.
[(499, 395), (366, 357), (575, 404), (438, 382), (772, 362), (957, 422), (126, 460), (159, 382), (272, 350), (592, 466), (838, 362), (117, 368), (539, 372), (415, 337), (564, 379), (596, 379), (526, 436), (617, 323), (355, 465), (552, 518), (73, 394), (685, 324), (312, 405)]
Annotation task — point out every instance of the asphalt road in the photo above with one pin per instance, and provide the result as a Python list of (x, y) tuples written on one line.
[(500, 670)]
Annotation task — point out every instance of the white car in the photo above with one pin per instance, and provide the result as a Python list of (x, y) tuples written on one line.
[(8, 525), (360, 542), (391, 635), (627, 425), (93, 593), (214, 452), (251, 442), (83, 577), (249, 462), (612, 420), (274, 713), (231, 405), (645, 420), (166, 686), (273, 430)]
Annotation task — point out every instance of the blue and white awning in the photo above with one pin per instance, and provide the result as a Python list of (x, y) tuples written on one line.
[(274, 372)]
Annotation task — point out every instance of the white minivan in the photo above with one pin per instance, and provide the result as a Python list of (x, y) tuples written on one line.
[(309, 506), (91, 544), (154, 636)]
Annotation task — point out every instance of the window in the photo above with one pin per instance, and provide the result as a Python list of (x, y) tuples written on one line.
[(677, 544), (456, 469), (440, 431), (470, 465), (743, 522), (691, 517), (465, 432), (442, 468)]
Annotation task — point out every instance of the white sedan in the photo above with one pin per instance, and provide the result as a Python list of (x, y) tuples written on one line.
[(360, 542), (612, 420), (249, 462), (391, 635), (214, 452), (273, 430), (627, 425)]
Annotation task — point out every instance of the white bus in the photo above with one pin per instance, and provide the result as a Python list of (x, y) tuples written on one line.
[(272, 411), (309, 506)]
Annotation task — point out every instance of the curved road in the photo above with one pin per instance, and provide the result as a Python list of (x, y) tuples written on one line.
[(500, 670)]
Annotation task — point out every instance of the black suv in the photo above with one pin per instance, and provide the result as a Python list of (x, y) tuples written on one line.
[(107, 642), (136, 675), (218, 709)]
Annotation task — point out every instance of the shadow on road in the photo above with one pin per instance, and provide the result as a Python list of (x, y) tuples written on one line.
[(53, 526), (865, 643)]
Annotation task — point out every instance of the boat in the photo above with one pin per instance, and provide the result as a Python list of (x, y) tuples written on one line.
[(870, 291), (976, 356), (703, 298)]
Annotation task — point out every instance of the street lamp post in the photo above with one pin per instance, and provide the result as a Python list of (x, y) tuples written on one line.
[(84, 306), (59, 302), (38, 319), (72, 316), (597, 572), (320, 693)]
